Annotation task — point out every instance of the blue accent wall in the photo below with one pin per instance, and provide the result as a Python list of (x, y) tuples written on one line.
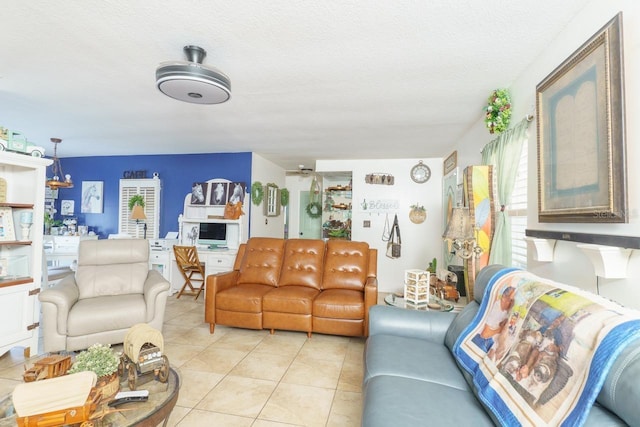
[(177, 173)]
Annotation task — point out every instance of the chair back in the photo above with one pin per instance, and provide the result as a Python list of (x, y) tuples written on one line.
[(346, 265), (112, 267), (186, 257), (262, 261)]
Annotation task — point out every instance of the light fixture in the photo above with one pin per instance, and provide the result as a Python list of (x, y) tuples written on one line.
[(190, 81), (55, 182), (137, 213), (460, 235)]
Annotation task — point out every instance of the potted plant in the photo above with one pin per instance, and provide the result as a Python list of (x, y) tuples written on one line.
[(100, 359), (136, 199)]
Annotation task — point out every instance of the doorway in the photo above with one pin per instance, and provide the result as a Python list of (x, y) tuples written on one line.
[(310, 228)]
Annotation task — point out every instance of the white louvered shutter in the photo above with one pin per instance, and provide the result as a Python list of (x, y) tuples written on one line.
[(149, 189)]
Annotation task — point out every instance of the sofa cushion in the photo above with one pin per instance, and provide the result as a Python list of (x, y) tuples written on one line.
[(302, 263), (290, 299), (242, 298), (412, 358), (107, 313), (262, 261), (346, 265), (407, 402), (112, 267), (339, 304)]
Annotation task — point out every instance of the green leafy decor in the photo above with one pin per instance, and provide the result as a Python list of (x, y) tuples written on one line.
[(498, 111), (136, 199), (257, 193), (97, 358)]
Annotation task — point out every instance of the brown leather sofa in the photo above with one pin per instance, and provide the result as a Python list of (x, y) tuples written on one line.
[(297, 285)]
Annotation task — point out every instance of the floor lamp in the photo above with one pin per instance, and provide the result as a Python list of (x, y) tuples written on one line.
[(138, 213)]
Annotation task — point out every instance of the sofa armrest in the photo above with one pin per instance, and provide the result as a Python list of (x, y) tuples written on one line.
[(427, 325), (154, 286), (56, 303), (216, 283), (370, 299)]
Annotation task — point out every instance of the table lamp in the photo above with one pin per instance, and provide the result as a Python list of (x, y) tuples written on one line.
[(137, 213)]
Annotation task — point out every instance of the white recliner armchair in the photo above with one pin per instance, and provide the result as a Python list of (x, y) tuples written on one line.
[(112, 290)]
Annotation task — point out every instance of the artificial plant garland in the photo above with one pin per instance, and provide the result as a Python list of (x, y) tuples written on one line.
[(284, 197), (257, 193), (498, 111)]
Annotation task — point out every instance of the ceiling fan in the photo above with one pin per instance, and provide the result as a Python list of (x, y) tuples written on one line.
[(301, 171)]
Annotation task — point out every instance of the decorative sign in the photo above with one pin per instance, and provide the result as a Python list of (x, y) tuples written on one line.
[(134, 174), (379, 178), (450, 163), (380, 205)]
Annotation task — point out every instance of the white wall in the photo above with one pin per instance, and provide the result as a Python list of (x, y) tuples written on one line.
[(420, 242), (265, 171), (570, 265)]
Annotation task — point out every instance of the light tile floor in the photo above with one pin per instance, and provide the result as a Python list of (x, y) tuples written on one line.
[(241, 377)]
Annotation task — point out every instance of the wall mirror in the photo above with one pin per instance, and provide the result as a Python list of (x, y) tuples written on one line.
[(272, 200)]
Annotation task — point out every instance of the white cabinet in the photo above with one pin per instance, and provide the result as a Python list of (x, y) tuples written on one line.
[(21, 260)]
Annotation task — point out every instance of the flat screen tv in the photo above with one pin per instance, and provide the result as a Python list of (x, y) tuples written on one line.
[(213, 234)]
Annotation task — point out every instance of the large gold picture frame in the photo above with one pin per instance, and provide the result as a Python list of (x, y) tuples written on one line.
[(581, 137)]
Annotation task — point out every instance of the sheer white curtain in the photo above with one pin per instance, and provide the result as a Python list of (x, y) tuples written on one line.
[(504, 154)]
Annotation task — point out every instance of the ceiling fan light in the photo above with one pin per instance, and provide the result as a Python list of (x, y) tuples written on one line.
[(190, 81)]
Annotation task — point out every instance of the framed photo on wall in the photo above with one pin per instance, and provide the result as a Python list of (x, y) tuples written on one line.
[(581, 146)]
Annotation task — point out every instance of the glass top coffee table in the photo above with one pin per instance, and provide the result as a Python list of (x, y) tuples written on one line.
[(435, 303), (153, 412)]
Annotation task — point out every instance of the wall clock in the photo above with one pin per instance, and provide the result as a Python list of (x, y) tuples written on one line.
[(420, 173)]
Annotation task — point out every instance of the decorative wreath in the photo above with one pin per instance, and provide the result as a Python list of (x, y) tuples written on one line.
[(284, 197), (257, 193), (314, 209), (498, 111)]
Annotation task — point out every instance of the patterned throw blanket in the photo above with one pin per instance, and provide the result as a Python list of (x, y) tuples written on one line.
[(539, 351)]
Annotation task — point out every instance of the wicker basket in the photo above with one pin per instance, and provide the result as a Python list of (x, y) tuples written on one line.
[(417, 216)]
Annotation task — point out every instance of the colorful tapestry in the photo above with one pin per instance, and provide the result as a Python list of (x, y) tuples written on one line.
[(479, 195), (539, 351)]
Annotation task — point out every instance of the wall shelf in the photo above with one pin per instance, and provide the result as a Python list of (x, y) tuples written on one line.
[(596, 239), (541, 249), (609, 262)]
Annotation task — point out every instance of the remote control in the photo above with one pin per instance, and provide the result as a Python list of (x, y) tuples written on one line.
[(136, 393), (131, 399)]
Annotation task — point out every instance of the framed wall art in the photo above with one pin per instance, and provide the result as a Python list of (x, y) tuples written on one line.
[(92, 197), (581, 136), (7, 231)]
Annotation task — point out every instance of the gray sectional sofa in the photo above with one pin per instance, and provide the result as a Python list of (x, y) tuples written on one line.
[(412, 379)]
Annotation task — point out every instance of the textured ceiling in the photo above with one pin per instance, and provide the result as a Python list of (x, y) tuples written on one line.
[(310, 80)]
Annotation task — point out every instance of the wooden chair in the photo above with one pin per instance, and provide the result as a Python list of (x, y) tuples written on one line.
[(190, 266)]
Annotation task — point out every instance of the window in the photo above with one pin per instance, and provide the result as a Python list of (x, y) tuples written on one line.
[(149, 189), (517, 212)]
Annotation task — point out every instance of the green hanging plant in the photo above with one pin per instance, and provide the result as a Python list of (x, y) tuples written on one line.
[(136, 200), (284, 197), (498, 111), (257, 193)]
